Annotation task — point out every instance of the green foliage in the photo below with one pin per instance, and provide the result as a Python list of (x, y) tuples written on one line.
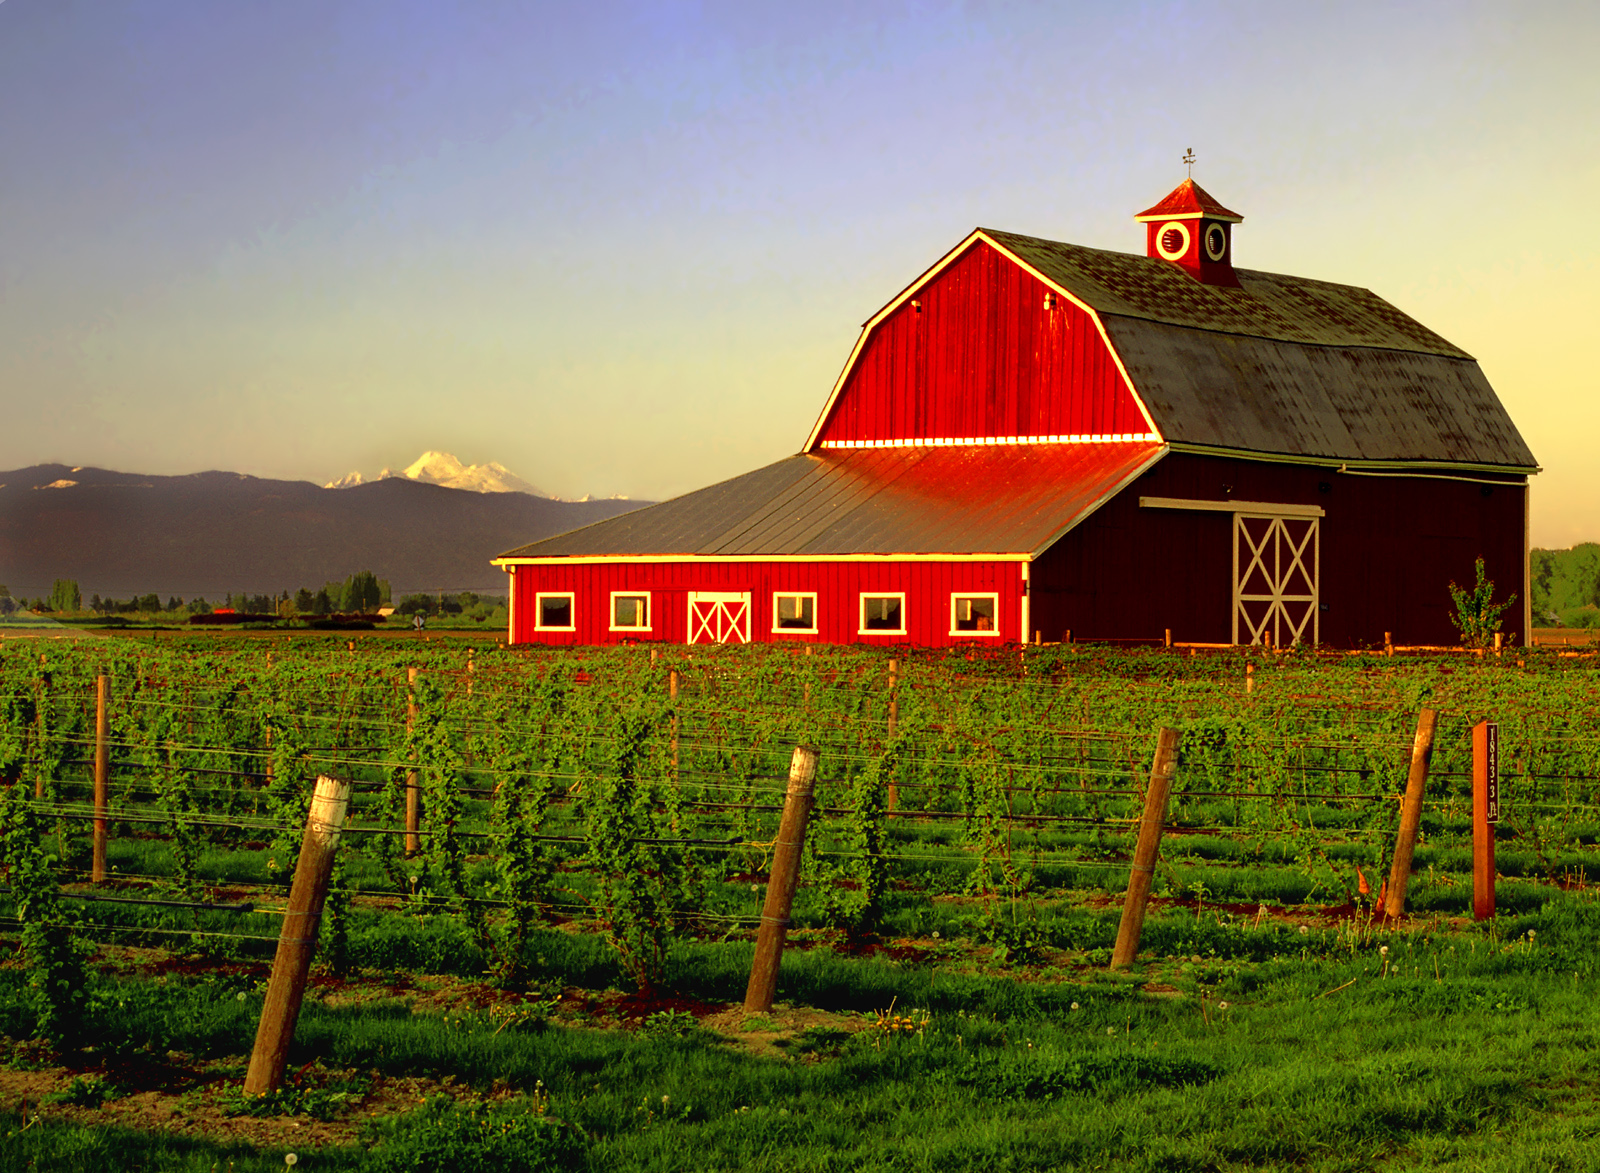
[(1477, 616), (449, 1137), (65, 596), (1565, 580), (50, 950)]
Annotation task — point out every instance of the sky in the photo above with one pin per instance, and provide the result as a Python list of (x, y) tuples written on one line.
[(626, 248)]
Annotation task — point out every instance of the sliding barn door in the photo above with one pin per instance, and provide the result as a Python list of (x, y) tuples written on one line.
[(719, 617), (1275, 574)]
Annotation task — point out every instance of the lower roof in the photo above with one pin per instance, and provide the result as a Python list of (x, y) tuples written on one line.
[(1002, 499)]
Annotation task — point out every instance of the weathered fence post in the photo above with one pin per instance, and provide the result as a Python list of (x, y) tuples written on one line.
[(1149, 846), (413, 781), (893, 798), (297, 941), (1485, 814), (781, 883), (672, 695), (1411, 813), (102, 774)]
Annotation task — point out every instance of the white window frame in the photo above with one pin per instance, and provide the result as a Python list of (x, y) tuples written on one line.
[(538, 609), (861, 613), (777, 629), (649, 610), (992, 596)]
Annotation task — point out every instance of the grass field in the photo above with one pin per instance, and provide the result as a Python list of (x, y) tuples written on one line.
[(945, 1001)]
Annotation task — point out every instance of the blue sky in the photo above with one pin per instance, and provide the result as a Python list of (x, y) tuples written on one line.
[(625, 248)]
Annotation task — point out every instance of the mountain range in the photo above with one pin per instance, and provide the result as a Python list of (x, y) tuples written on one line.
[(211, 533)]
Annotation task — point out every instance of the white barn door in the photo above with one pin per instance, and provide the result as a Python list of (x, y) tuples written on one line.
[(719, 617), (1276, 570)]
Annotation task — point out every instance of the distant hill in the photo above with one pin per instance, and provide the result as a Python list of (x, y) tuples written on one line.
[(212, 533)]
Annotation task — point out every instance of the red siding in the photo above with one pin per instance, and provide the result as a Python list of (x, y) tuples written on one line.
[(983, 357), (838, 585)]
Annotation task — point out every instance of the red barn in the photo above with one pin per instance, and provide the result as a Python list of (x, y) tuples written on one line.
[(1037, 438)]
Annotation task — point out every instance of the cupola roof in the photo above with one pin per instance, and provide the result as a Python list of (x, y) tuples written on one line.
[(1188, 201)]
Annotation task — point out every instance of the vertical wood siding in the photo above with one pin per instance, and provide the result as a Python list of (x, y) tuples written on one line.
[(838, 587), (983, 357)]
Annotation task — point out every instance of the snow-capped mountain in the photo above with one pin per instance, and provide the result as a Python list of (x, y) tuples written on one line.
[(441, 468)]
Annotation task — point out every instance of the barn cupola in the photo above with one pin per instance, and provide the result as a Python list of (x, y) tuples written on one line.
[(1194, 232)]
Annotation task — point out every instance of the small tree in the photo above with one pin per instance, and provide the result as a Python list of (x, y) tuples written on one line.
[(1477, 615), (65, 596)]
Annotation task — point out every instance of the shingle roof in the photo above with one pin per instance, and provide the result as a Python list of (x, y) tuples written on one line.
[(999, 499)]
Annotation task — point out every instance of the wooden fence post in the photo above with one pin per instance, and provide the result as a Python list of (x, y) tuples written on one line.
[(1411, 813), (894, 725), (413, 781), (297, 941), (1485, 814), (40, 701), (672, 695), (781, 883), (1149, 847), (102, 774)]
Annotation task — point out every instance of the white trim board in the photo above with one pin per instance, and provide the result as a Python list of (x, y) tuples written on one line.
[(1253, 508)]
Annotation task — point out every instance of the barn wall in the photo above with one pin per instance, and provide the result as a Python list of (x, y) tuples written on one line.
[(927, 585), (1390, 546), (983, 357)]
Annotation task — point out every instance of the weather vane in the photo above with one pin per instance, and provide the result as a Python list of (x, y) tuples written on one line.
[(1188, 161)]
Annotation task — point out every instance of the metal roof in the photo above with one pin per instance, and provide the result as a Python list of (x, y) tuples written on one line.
[(1187, 200), (991, 499)]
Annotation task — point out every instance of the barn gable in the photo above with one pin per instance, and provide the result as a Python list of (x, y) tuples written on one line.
[(981, 350)]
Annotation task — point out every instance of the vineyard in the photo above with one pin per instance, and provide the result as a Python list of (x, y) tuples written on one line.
[(577, 840)]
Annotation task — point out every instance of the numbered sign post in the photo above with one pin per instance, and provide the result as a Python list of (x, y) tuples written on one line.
[(1485, 814)]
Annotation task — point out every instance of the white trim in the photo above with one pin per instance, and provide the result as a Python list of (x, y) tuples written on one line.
[(861, 613), (1205, 241), (511, 605), (622, 559), (1027, 603), (538, 609), (993, 596), (779, 630), (649, 610), (737, 620), (940, 265), (1278, 541), (1188, 216), (1178, 254), (997, 441), (1258, 508), (1340, 464)]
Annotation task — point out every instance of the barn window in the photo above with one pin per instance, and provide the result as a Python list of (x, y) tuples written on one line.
[(974, 614), (630, 612), (554, 611), (794, 612), (883, 613)]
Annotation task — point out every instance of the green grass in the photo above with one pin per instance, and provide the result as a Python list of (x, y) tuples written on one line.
[(1453, 1050)]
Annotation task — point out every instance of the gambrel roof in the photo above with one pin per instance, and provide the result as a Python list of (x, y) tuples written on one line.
[(1279, 366)]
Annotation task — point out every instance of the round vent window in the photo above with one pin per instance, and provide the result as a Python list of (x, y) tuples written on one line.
[(1173, 241), (1216, 241)]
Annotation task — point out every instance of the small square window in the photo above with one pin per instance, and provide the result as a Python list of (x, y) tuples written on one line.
[(883, 613), (630, 612), (554, 612), (974, 614), (794, 612)]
